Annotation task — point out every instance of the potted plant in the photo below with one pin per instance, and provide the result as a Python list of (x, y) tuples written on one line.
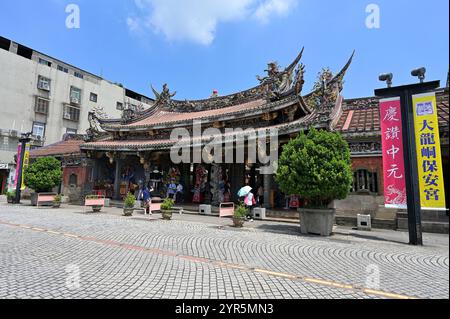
[(317, 167), (42, 176), (166, 208), (129, 203), (57, 201), (239, 215), (10, 195)]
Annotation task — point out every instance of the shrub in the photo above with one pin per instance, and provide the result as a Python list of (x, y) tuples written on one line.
[(130, 200), (167, 204), (240, 211), (44, 174), (317, 167)]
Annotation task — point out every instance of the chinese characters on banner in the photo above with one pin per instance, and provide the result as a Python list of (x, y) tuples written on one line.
[(392, 146), (428, 145), (26, 163)]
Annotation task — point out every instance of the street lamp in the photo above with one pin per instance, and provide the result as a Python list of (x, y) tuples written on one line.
[(23, 140)]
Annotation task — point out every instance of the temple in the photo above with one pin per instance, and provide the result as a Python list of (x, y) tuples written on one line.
[(117, 155)]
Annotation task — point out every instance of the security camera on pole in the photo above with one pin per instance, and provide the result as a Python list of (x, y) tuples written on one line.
[(404, 186)]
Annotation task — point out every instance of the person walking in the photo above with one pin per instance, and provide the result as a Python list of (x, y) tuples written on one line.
[(250, 202), (147, 197)]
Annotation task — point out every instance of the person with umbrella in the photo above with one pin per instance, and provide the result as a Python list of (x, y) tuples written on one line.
[(249, 200)]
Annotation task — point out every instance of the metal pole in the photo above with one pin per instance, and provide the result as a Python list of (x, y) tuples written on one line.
[(411, 170), (24, 140)]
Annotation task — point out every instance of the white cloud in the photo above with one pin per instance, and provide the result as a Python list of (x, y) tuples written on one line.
[(197, 20), (270, 7)]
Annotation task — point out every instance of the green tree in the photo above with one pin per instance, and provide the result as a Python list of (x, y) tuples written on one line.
[(317, 167), (44, 174)]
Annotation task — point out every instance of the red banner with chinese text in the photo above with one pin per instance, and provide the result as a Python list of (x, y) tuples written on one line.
[(392, 146)]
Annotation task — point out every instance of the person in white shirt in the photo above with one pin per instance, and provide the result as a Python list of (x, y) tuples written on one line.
[(249, 202)]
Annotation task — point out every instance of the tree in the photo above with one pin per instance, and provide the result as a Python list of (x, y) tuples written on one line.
[(317, 167), (44, 174)]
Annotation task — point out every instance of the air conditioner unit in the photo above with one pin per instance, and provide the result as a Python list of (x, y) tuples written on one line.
[(44, 86), (67, 116)]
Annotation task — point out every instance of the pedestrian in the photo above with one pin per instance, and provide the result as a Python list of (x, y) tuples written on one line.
[(179, 195), (260, 196), (250, 202), (147, 197), (172, 189)]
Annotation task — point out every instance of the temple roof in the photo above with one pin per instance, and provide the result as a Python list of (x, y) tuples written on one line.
[(279, 89), (69, 146)]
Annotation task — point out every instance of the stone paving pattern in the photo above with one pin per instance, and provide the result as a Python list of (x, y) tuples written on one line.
[(33, 263)]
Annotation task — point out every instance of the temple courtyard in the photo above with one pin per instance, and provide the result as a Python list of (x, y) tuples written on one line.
[(73, 253)]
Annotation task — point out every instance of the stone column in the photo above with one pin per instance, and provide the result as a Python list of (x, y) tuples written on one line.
[(117, 179), (267, 190)]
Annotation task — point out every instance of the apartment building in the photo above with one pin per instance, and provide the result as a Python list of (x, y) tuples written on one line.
[(50, 98)]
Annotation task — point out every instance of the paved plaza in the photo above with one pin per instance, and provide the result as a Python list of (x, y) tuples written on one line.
[(69, 253)]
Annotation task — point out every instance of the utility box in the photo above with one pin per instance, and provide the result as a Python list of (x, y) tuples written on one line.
[(205, 210), (259, 213), (364, 222)]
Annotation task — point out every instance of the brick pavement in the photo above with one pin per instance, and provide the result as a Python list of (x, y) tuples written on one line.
[(201, 257)]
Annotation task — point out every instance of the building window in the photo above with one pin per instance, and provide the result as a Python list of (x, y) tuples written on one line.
[(45, 62), (39, 130), (78, 75), (119, 106), (93, 97), (75, 95), (5, 140), (44, 83), (63, 69), (71, 131), (365, 182), (71, 113), (41, 105)]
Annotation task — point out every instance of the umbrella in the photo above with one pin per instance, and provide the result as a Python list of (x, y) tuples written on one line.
[(244, 191)]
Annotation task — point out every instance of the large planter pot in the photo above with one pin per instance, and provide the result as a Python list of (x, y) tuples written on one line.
[(34, 198), (166, 214), (238, 222), (56, 204), (128, 211), (10, 200), (317, 221)]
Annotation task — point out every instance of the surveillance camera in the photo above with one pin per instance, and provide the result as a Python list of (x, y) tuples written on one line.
[(386, 77), (420, 72)]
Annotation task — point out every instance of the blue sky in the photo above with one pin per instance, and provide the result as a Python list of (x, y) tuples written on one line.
[(200, 45)]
